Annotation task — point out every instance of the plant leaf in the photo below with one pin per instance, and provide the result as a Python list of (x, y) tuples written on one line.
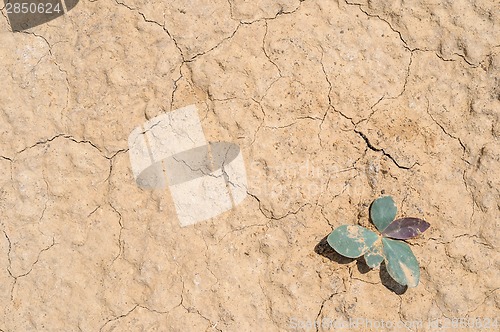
[(375, 255), (401, 263), (382, 212), (351, 240), (405, 228)]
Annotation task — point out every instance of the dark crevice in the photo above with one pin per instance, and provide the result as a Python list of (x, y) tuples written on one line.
[(405, 44), (119, 317), (156, 23), (360, 6), (269, 214), (373, 148), (321, 309)]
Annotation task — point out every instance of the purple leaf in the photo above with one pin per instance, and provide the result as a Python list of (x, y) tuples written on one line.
[(405, 228)]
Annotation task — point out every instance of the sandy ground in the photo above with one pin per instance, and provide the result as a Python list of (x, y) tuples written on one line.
[(332, 104)]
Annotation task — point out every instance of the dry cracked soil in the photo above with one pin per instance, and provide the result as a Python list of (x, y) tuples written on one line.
[(332, 104)]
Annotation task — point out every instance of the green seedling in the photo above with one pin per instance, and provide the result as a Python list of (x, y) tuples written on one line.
[(355, 241)]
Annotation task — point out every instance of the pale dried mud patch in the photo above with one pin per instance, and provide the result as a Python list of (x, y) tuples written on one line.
[(332, 104)]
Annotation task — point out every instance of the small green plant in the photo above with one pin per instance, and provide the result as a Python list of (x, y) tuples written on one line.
[(355, 241)]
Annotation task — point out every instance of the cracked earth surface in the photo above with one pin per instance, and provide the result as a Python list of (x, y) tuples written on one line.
[(331, 102)]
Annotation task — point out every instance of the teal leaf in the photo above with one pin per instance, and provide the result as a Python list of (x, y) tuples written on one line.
[(351, 241), (401, 263), (375, 255), (383, 211)]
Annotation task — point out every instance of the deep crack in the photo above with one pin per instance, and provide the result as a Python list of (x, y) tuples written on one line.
[(373, 148)]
